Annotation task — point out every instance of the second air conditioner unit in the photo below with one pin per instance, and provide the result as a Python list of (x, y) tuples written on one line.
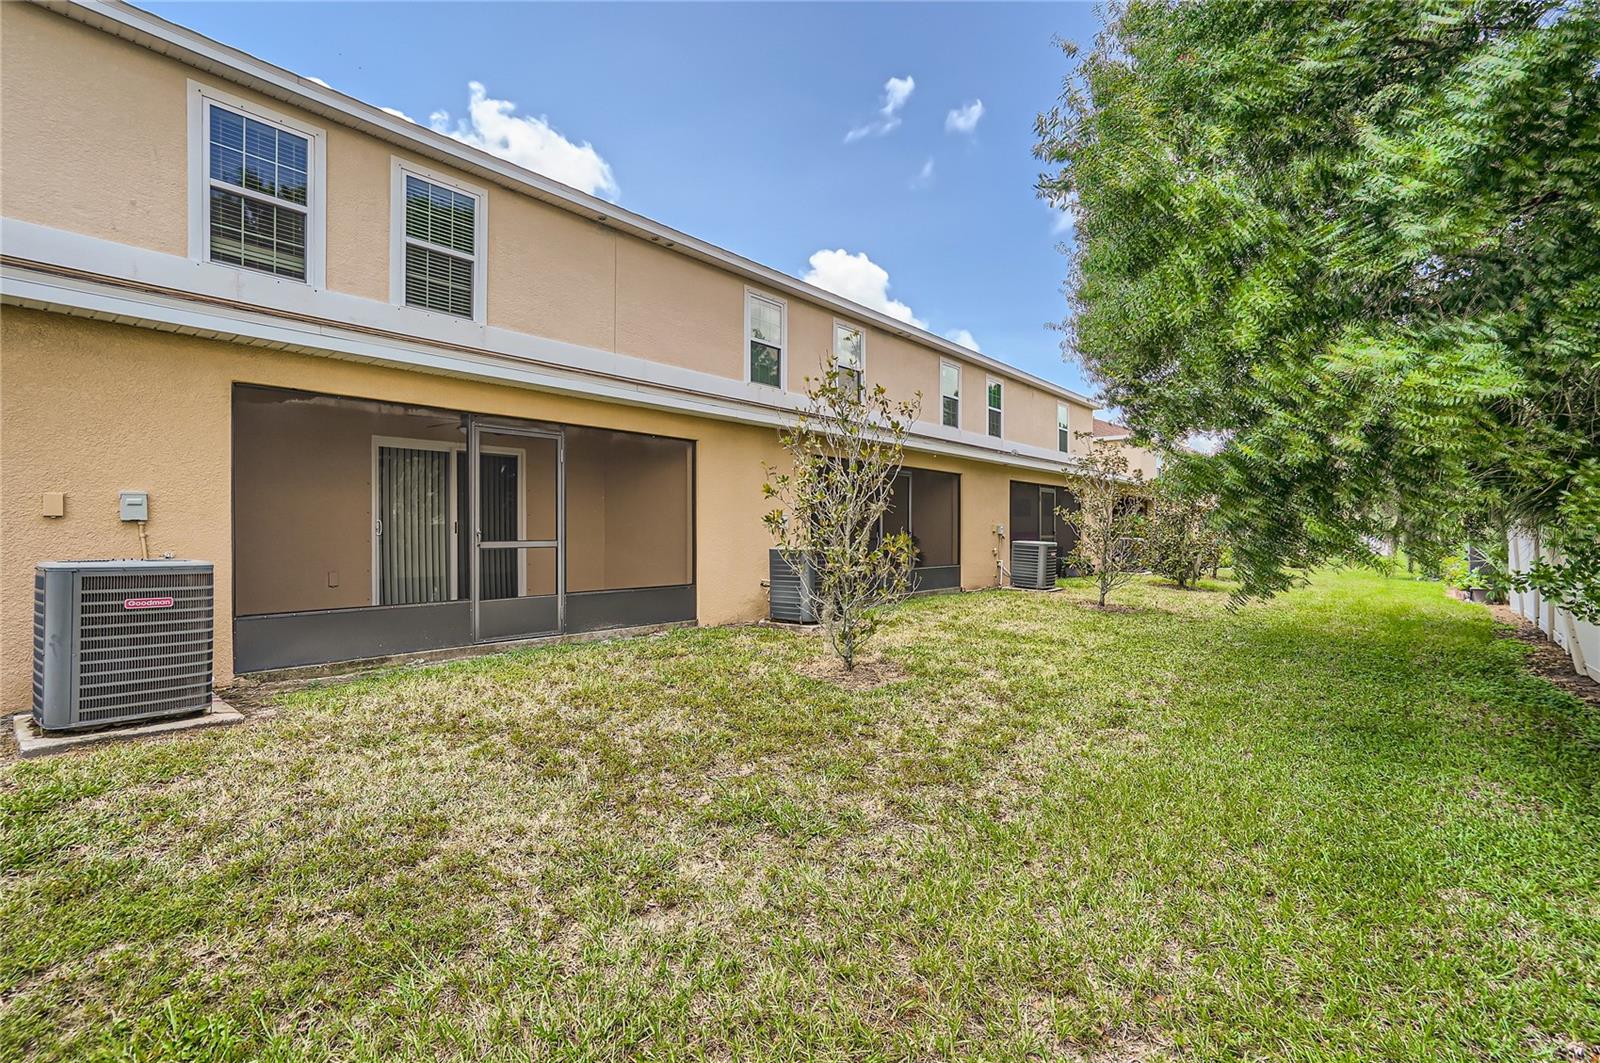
[(792, 583)]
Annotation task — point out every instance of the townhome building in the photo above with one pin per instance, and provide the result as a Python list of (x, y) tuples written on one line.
[(406, 395)]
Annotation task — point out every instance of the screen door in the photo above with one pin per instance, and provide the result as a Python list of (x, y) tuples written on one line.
[(516, 493)]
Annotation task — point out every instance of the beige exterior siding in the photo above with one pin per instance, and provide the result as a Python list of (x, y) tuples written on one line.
[(80, 105), (124, 103), (161, 421), (95, 163)]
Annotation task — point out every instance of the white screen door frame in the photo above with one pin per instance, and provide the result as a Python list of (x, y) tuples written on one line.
[(476, 428)]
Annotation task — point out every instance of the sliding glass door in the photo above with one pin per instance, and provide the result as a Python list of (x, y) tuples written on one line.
[(414, 530)]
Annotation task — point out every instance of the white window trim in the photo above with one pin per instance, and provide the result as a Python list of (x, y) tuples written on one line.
[(316, 205), (457, 533), (1063, 423), (783, 337), (398, 169), (988, 382), (833, 346), (945, 363)]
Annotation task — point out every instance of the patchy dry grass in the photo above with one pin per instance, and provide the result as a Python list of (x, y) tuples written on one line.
[(1349, 824)]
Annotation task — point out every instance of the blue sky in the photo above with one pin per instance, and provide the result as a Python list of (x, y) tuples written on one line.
[(730, 122)]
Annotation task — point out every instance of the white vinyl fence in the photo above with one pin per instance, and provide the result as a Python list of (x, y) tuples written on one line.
[(1581, 640)]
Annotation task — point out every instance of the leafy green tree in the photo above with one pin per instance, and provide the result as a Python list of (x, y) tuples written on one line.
[(846, 448), (1183, 542), (1361, 243)]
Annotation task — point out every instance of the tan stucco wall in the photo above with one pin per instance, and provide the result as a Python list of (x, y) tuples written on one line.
[(1140, 460), (77, 105), (92, 408), (80, 108)]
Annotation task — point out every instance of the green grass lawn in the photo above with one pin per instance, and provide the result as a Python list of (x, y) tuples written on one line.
[(1349, 824)]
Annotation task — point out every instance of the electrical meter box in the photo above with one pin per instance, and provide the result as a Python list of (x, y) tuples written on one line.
[(135, 505)]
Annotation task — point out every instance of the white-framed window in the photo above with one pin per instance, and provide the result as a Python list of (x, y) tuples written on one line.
[(850, 354), (949, 394), (256, 188), (996, 395), (438, 237), (1063, 429), (766, 333)]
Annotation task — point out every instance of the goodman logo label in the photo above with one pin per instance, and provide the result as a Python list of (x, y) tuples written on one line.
[(147, 603)]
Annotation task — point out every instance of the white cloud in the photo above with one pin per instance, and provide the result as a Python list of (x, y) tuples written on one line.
[(896, 91), (398, 114), (963, 337), (1066, 214), (924, 176), (859, 278), (964, 119), (529, 141)]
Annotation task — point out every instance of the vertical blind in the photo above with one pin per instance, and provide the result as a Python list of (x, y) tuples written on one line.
[(414, 532)]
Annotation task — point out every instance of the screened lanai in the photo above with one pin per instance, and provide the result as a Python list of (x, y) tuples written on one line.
[(364, 529)]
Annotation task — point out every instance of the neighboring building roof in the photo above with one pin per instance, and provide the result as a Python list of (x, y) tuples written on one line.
[(1110, 430), (168, 38)]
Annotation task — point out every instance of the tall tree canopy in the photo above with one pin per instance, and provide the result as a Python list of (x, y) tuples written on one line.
[(1361, 242)]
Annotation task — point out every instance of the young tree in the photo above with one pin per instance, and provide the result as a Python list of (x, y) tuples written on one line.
[(1182, 541), (1359, 242), (1110, 517), (846, 449)]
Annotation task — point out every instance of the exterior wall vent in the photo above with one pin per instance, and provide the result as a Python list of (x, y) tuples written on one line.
[(119, 641), (791, 588), (1033, 565)]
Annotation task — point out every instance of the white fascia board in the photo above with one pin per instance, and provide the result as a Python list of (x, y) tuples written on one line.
[(168, 38), (240, 313)]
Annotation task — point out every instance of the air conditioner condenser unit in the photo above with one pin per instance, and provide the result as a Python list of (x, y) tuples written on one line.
[(120, 641), (1033, 565), (791, 587)]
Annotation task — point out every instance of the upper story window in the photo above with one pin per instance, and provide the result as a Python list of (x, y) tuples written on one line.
[(1063, 429), (949, 394), (764, 329), (439, 236), (849, 355), (255, 188), (995, 390)]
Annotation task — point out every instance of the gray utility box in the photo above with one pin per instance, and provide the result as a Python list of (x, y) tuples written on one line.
[(118, 641), (791, 588), (1033, 564)]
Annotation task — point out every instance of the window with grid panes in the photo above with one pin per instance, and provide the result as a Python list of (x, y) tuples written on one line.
[(258, 192), (441, 252)]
